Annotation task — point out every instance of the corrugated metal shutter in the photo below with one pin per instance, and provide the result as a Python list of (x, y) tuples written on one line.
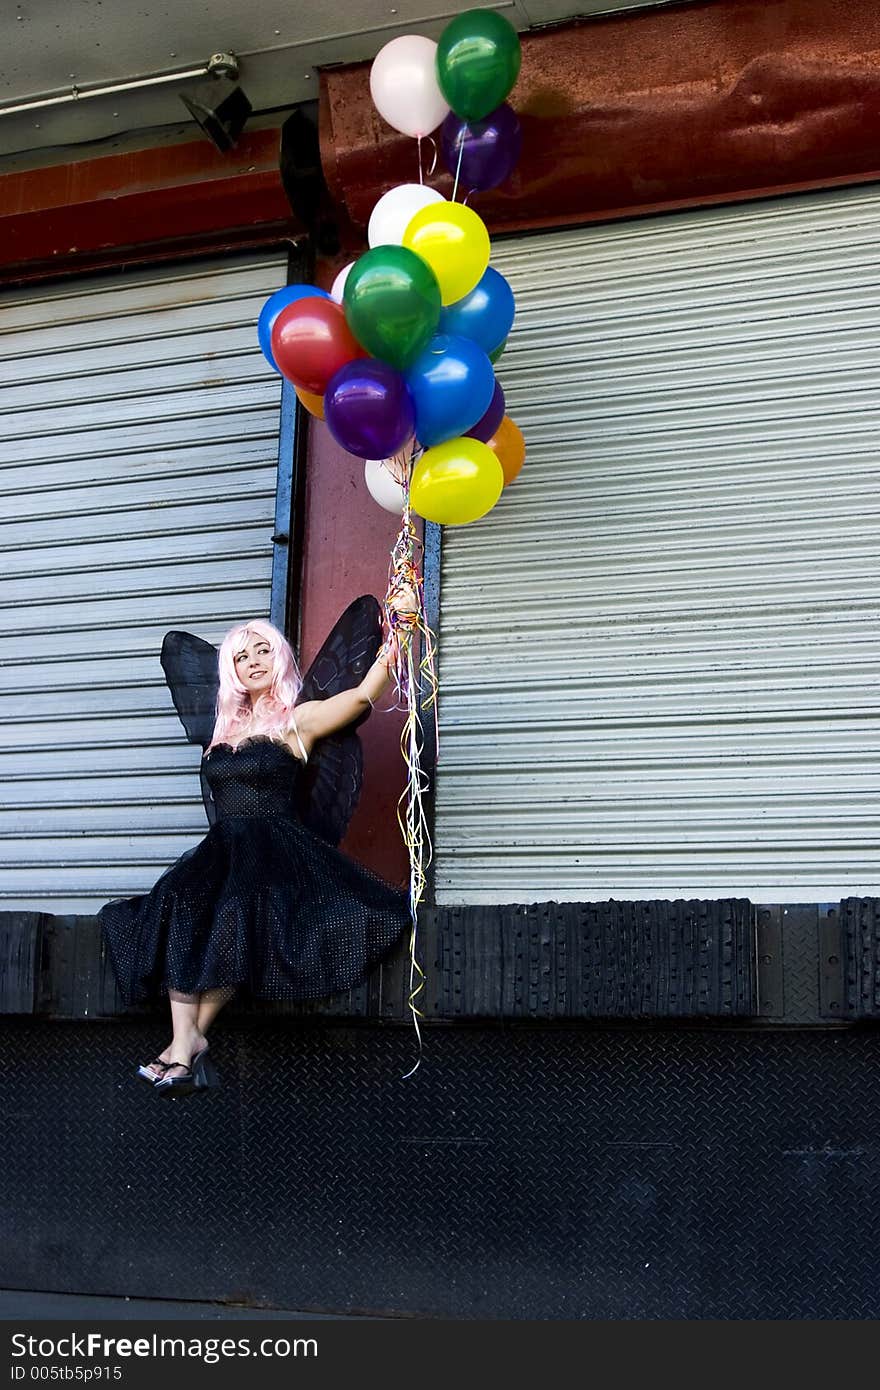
[(138, 466), (659, 653)]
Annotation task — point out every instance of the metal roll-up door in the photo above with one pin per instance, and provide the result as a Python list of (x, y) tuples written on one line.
[(138, 463), (659, 653)]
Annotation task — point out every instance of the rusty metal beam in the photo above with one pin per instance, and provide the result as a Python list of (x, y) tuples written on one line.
[(652, 110)]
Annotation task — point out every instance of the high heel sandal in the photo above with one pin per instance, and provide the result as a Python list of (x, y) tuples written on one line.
[(200, 1075), (151, 1078)]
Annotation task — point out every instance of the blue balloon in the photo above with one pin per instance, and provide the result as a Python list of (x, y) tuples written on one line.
[(452, 384), (485, 315), (272, 308)]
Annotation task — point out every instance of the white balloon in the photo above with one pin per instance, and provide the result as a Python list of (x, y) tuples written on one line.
[(338, 288), (396, 209), (404, 86), (382, 487)]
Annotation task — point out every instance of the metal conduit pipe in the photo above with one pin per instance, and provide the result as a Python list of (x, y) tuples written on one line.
[(218, 65)]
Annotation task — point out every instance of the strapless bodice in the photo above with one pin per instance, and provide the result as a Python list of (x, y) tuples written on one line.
[(259, 778)]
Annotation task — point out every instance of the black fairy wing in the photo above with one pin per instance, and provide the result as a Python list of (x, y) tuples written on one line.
[(193, 677), (347, 654), (332, 782)]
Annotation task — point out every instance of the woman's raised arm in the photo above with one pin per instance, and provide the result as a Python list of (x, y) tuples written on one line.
[(317, 718)]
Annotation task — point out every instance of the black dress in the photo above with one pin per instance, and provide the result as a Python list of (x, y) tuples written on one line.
[(261, 902)]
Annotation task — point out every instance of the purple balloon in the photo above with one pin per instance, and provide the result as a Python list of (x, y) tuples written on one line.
[(368, 409), (489, 148), (486, 427)]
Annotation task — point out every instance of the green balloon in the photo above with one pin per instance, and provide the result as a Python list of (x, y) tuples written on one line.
[(493, 356), (392, 304), (478, 60)]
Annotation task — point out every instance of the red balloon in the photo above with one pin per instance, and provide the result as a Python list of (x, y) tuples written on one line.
[(311, 341)]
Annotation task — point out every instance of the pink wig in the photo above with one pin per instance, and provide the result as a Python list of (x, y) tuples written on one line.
[(237, 719)]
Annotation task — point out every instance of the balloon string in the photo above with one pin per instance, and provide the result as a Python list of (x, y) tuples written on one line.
[(414, 826), (461, 135), (410, 679), (433, 145)]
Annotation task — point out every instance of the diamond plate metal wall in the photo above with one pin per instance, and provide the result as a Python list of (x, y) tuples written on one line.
[(612, 1172), (799, 963)]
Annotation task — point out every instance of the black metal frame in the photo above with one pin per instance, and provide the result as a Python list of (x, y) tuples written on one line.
[(293, 439)]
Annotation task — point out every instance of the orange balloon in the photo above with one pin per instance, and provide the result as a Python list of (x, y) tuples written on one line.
[(508, 444), (313, 404)]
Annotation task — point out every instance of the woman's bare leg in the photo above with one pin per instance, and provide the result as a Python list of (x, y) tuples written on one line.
[(192, 1016), (188, 1037), (211, 1002)]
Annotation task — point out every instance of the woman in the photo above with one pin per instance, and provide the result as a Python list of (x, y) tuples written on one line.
[(262, 901)]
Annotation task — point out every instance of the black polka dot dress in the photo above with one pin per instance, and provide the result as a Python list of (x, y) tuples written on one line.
[(261, 903)]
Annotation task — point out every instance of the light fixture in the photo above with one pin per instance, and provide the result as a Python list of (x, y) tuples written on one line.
[(219, 105)]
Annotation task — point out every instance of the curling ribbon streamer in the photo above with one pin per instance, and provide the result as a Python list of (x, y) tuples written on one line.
[(411, 679)]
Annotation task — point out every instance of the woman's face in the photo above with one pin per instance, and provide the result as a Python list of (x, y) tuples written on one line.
[(253, 666)]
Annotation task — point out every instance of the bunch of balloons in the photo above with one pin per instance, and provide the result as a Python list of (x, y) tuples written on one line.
[(398, 357)]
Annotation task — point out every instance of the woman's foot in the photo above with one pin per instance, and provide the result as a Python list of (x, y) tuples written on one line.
[(178, 1055), (170, 1061), (152, 1071), (155, 1070), (183, 1078)]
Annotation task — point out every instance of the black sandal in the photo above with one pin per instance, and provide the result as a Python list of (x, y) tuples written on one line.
[(200, 1076), (144, 1073)]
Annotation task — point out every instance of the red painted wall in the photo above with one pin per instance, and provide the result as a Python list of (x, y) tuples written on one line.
[(146, 204), (348, 540)]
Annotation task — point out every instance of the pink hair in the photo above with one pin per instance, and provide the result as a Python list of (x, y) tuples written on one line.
[(272, 714)]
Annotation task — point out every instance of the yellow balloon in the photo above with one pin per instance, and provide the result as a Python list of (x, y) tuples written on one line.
[(456, 482), (454, 242), (313, 404)]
